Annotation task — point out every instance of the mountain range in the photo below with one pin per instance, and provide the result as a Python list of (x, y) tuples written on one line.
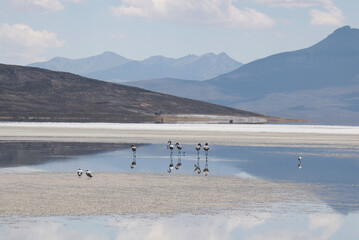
[(319, 83), (111, 67), (35, 94)]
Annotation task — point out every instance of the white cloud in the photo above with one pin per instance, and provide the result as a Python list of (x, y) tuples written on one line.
[(332, 17), (37, 5), (21, 41), (205, 12), (330, 222)]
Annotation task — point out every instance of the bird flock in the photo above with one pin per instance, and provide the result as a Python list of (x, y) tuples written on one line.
[(180, 153), (171, 166), (171, 147)]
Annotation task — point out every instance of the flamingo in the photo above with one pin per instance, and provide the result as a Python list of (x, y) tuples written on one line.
[(89, 174), (170, 145), (179, 146), (206, 147)]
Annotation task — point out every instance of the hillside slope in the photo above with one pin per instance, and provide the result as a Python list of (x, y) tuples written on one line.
[(28, 93)]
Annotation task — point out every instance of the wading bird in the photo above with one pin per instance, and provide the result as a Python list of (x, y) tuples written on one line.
[(206, 147), (133, 147), (198, 147), (179, 147), (89, 173), (170, 145), (79, 172)]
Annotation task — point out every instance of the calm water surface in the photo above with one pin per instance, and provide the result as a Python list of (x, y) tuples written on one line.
[(335, 171)]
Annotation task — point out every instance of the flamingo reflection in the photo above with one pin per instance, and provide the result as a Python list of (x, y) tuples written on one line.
[(197, 169), (206, 170), (300, 162), (170, 167), (134, 149)]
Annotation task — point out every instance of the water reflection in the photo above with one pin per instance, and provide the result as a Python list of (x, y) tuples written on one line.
[(179, 156), (300, 162), (226, 226), (170, 167), (334, 171), (13, 154), (133, 164)]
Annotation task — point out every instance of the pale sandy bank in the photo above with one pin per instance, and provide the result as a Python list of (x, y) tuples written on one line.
[(56, 194)]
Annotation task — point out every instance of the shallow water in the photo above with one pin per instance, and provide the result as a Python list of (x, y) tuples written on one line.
[(334, 172)]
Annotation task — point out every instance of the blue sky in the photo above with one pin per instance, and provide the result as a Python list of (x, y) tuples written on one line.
[(37, 30)]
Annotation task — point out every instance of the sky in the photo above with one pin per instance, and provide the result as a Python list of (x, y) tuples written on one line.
[(38, 30)]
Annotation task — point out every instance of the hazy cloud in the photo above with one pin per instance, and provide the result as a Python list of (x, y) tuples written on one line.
[(206, 12), (37, 5), (321, 227), (329, 15), (333, 16), (21, 41), (197, 227), (41, 5)]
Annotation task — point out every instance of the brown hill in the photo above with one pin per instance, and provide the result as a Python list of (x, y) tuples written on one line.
[(34, 94)]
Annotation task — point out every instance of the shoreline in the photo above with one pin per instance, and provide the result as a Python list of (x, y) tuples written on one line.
[(221, 134)]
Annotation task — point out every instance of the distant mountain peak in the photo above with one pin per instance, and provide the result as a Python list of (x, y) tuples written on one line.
[(343, 29), (109, 53), (343, 40)]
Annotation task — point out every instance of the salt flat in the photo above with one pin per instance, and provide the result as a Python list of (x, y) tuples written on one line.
[(224, 134), (58, 194)]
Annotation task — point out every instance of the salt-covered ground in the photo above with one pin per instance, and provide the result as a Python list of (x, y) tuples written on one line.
[(224, 134), (59, 194)]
